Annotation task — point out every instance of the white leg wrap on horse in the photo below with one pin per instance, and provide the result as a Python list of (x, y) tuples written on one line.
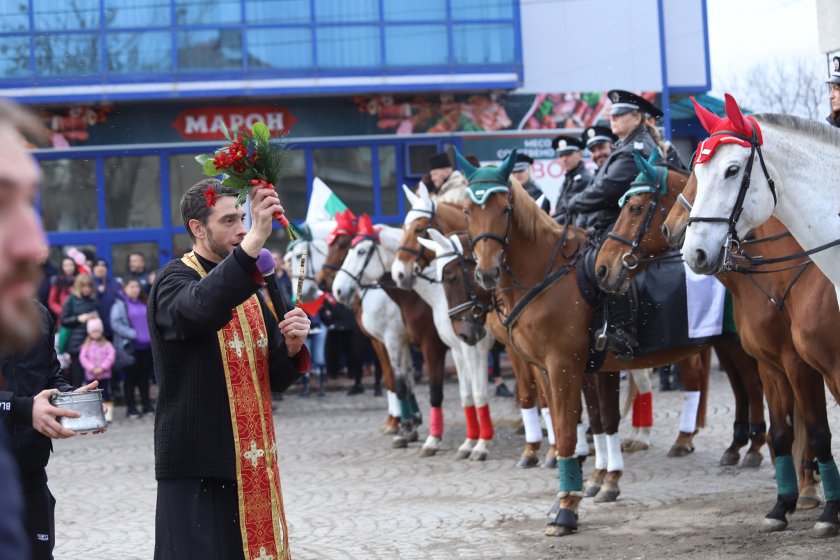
[(600, 451), (546, 414), (393, 404), (615, 461), (581, 448), (531, 419), (643, 435), (642, 379), (688, 419)]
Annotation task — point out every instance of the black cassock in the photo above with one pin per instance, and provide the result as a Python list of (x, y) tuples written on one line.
[(197, 505)]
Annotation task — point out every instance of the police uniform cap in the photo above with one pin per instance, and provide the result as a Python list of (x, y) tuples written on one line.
[(523, 162), (626, 101), (567, 144), (835, 71), (597, 134)]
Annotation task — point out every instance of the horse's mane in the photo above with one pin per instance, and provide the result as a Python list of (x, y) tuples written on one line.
[(815, 129), (530, 219)]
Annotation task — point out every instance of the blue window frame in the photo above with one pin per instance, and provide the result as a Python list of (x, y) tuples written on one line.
[(95, 180), (348, 47), (67, 54), (416, 45), (133, 52), (287, 12), (279, 48), (57, 15), (14, 15), (136, 13)]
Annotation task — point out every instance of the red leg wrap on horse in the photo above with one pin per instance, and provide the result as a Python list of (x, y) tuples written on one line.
[(485, 423), (635, 419), (436, 422), (472, 422), (643, 416)]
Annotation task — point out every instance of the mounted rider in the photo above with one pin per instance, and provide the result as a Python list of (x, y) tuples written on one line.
[(597, 207), (446, 181), (522, 173), (599, 141), (577, 177), (834, 93)]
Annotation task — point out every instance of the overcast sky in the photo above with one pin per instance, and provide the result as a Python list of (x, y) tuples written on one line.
[(744, 33)]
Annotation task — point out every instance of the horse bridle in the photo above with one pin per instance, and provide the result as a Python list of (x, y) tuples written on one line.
[(477, 308), (630, 260), (418, 253), (368, 257), (503, 241), (732, 240), (309, 271)]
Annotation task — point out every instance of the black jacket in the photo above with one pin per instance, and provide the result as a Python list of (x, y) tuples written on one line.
[(597, 206), (73, 307), (27, 374), (536, 192), (574, 182), (335, 316)]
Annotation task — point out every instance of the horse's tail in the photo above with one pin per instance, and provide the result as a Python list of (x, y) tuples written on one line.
[(800, 443), (632, 391)]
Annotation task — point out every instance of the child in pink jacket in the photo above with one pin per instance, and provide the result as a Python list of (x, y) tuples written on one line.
[(97, 356)]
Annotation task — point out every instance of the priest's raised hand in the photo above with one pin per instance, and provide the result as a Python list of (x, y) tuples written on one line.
[(264, 203)]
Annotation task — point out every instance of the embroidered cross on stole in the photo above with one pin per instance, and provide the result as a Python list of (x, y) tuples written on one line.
[(244, 347)]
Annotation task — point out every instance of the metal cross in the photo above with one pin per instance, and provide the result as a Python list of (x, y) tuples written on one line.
[(236, 344), (262, 342), (263, 555), (253, 454)]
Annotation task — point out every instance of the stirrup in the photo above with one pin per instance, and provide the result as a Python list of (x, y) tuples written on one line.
[(601, 338)]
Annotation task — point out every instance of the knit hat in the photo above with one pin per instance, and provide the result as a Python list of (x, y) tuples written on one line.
[(95, 325)]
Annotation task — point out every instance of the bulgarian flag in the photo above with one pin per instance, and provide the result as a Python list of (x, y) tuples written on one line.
[(323, 203)]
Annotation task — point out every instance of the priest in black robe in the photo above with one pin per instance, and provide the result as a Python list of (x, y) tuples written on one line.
[(217, 352)]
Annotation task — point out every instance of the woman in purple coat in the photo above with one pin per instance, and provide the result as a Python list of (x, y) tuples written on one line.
[(133, 345)]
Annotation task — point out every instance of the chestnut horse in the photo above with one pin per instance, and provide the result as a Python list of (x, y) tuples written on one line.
[(529, 261), (788, 319), (419, 322)]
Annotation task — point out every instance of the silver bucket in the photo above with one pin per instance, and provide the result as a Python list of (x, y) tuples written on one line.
[(88, 404)]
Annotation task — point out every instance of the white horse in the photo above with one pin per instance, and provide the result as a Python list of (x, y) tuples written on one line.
[(315, 244), (368, 261), (800, 158)]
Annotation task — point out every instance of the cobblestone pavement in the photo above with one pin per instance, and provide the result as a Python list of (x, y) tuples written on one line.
[(349, 495)]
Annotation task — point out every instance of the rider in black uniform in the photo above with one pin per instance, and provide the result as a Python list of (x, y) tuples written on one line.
[(834, 93), (577, 177)]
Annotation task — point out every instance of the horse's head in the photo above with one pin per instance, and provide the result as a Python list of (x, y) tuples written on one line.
[(731, 198), (455, 268), (313, 241), (489, 213), (338, 244), (673, 229), (637, 233), (363, 265), (412, 257)]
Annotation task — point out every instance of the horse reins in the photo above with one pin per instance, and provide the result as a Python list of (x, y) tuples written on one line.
[(368, 257)]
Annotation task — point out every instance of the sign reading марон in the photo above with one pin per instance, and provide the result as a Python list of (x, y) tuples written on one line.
[(206, 123)]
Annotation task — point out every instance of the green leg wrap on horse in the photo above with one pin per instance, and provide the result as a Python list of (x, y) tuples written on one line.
[(786, 475), (830, 480), (415, 408), (571, 474), (405, 409)]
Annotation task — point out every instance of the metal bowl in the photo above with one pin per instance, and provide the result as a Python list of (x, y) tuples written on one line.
[(88, 404)]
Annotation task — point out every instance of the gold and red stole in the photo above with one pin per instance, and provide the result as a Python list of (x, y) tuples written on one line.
[(244, 346)]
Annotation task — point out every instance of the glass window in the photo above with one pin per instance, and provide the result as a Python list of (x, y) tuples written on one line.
[(417, 162), (67, 55), (14, 56), (400, 10), (292, 188), (348, 47), (139, 52), (68, 194), (78, 14), (137, 13), (14, 15), (416, 45), (481, 9), (344, 11), (279, 48), (480, 43), (277, 11), (121, 251), (184, 172), (207, 12), (389, 190), (210, 50), (132, 192), (347, 171)]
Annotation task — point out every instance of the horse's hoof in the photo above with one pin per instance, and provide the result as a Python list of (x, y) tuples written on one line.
[(552, 530), (680, 451), (399, 442), (637, 446), (412, 436), (591, 490), (771, 525), (428, 451), (527, 462), (626, 443), (752, 460), (606, 496), (808, 502), (478, 455), (550, 463), (824, 529), (564, 523), (729, 458), (463, 454), (390, 430)]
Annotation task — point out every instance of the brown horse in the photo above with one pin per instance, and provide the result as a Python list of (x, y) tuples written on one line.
[(419, 322), (529, 260), (788, 318)]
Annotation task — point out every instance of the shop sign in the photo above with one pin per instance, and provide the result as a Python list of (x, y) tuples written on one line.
[(206, 123)]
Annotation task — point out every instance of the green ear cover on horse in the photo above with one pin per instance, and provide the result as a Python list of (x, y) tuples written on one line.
[(507, 166), (468, 168), (646, 166)]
